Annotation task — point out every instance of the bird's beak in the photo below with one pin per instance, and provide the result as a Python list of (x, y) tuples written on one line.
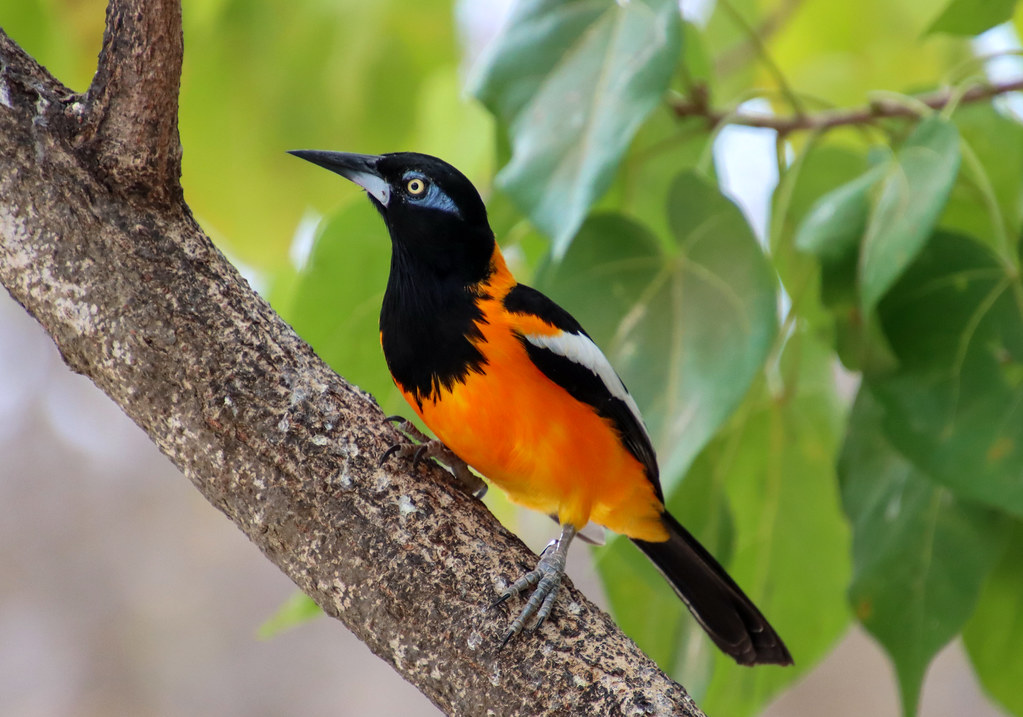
[(359, 168)]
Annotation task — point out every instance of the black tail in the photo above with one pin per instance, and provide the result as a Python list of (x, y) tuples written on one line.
[(730, 618)]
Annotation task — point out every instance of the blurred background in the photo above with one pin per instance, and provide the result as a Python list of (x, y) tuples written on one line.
[(122, 592)]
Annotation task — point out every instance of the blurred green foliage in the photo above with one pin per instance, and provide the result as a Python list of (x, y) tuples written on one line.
[(889, 491)]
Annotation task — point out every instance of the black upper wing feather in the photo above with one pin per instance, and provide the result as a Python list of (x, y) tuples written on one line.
[(527, 300)]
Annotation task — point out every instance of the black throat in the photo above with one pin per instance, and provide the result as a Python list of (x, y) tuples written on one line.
[(428, 323)]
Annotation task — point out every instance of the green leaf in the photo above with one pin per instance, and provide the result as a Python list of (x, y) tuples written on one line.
[(987, 200), (818, 169), (994, 634), (688, 330), (752, 496), (335, 304), (663, 147), (954, 406), (972, 17), (834, 225), (573, 80), (777, 467), (831, 231), (912, 196), (920, 553), (815, 246), (297, 609)]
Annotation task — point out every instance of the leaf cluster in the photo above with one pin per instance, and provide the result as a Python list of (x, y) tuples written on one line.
[(837, 407)]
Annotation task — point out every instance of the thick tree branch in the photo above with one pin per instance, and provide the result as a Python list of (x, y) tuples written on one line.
[(698, 105), (97, 245), (131, 128)]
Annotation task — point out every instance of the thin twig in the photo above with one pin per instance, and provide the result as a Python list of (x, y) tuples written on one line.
[(697, 105)]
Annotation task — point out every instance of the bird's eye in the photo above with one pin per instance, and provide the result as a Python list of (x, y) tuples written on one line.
[(416, 186)]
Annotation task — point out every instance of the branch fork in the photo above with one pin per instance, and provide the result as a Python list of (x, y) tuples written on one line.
[(97, 244)]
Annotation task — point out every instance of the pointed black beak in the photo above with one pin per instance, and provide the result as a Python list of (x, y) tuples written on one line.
[(359, 168)]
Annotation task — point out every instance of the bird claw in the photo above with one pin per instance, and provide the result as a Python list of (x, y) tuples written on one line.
[(499, 602), (421, 446), (389, 452), (547, 578)]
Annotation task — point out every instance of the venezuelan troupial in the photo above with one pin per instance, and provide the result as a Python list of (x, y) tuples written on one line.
[(514, 387)]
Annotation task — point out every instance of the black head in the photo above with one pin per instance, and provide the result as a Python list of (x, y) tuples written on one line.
[(435, 216)]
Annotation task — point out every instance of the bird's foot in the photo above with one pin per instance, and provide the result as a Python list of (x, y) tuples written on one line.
[(420, 446), (547, 578)]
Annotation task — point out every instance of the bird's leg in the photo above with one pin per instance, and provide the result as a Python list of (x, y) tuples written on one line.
[(421, 446), (547, 577)]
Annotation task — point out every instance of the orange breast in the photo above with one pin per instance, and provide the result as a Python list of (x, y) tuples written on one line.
[(542, 447)]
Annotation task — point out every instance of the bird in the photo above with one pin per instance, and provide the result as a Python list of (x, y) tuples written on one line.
[(511, 384)]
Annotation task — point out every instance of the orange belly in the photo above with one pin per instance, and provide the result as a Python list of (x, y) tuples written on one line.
[(545, 449)]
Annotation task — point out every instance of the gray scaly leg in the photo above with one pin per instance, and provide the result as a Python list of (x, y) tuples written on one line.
[(547, 577)]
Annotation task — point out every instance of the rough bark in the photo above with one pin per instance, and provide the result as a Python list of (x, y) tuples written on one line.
[(97, 244)]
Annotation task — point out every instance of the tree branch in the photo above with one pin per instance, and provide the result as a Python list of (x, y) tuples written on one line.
[(698, 105), (131, 107), (96, 243)]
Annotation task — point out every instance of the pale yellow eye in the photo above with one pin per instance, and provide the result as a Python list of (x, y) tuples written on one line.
[(416, 187)]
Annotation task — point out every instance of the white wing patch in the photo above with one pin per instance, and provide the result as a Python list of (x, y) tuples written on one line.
[(580, 349)]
